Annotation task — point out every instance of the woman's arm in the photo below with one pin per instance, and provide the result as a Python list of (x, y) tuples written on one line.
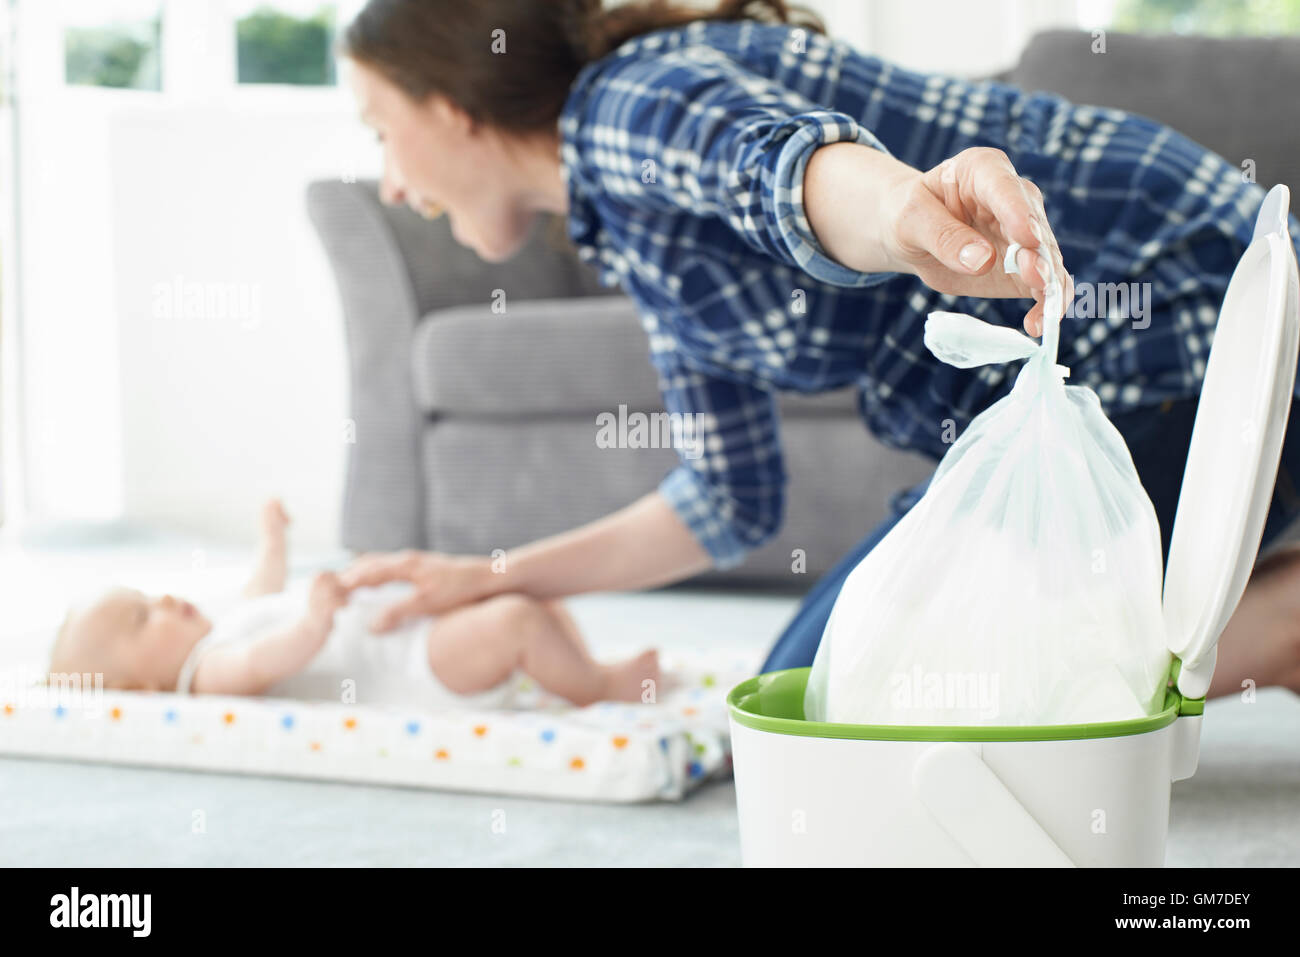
[(808, 186), (949, 226), (725, 499), (640, 546), (643, 545)]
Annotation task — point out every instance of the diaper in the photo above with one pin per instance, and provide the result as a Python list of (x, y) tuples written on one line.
[(355, 666)]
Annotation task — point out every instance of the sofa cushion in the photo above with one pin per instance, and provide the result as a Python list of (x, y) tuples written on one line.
[(444, 273), (551, 357), (1234, 95), (541, 356), (499, 483)]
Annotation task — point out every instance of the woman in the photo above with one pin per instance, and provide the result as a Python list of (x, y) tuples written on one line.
[(785, 212)]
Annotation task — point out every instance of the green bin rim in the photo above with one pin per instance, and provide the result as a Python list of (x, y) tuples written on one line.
[(782, 692)]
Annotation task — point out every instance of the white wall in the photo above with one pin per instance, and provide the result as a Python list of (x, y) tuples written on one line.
[(181, 422), (958, 37), (233, 371), (69, 336)]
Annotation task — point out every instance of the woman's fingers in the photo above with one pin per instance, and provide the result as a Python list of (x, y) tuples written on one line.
[(1047, 241), (930, 226), (998, 188), (1034, 320), (1017, 205), (949, 188), (954, 224), (1027, 265), (395, 614), (369, 571), (1056, 264), (980, 188), (365, 573), (1036, 269)]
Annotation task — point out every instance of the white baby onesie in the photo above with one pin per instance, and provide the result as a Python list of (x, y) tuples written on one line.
[(390, 670)]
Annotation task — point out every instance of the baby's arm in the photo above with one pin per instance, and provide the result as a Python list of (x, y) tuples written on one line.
[(249, 669), (272, 563)]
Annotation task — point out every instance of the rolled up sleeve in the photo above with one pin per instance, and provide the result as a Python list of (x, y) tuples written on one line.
[(786, 196), (695, 131)]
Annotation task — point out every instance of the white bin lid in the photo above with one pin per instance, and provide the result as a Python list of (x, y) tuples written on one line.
[(1236, 444)]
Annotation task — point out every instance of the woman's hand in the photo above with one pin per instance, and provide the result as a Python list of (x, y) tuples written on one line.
[(441, 582), (950, 226)]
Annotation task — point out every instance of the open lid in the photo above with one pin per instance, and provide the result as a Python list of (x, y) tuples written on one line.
[(1236, 444)]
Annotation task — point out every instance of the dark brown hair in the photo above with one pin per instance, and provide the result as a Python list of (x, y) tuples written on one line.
[(445, 46)]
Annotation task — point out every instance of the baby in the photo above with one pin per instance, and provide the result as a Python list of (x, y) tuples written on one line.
[(266, 643)]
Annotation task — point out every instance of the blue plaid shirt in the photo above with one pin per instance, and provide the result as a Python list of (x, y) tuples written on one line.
[(683, 153)]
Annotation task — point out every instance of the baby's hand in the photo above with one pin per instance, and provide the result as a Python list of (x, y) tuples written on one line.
[(327, 596)]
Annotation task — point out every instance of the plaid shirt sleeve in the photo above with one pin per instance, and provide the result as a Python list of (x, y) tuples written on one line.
[(692, 130), (729, 489)]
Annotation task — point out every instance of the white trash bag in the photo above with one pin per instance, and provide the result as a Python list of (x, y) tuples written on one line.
[(1024, 587)]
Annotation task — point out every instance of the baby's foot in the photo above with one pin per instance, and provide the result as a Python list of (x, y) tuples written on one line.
[(636, 679), (274, 521)]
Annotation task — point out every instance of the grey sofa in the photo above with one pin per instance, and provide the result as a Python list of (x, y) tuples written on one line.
[(475, 427)]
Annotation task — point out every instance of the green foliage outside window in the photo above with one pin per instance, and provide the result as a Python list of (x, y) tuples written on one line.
[(123, 56), (276, 47), (1212, 17)]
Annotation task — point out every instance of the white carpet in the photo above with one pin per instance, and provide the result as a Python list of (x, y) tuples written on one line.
[(1241, 808)]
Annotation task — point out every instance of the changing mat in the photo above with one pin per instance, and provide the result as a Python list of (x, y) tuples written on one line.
[(543, 746)]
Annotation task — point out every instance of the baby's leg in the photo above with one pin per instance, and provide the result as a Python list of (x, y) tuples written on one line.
[(478, 646)]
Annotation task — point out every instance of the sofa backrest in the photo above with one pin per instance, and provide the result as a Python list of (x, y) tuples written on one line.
[(444, 273)]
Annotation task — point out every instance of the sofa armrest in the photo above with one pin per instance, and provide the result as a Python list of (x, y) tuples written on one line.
[(392, 268), (383, 497)]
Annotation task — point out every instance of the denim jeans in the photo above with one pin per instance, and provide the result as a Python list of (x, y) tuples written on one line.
[(1157, 437)]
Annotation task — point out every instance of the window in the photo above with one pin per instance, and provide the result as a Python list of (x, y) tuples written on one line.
[(116, 43), (286, 43), (1213, 17)]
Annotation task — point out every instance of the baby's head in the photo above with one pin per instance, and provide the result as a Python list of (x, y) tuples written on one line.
[(136, 642)]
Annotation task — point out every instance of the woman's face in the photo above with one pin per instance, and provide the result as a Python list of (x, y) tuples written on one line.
[(436, 160)]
